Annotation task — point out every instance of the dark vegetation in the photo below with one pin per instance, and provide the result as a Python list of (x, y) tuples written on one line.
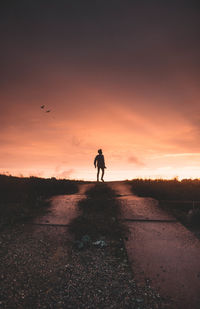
[(182, 198), (24, 198), (99, 214), (184, 190)]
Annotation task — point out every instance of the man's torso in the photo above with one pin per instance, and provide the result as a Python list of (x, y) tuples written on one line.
[(100, 161)]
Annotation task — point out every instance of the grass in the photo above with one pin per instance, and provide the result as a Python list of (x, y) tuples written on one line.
[(99, 214), (181, 198), (184, 190), (101, 191), (22, 199)]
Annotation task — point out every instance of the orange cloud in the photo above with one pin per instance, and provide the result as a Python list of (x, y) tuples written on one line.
[(134, 160)]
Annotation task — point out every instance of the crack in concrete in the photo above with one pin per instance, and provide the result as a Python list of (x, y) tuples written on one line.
[(148, 220)]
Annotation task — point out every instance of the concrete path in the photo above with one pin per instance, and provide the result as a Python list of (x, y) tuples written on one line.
[(162, 250), (63, 208)]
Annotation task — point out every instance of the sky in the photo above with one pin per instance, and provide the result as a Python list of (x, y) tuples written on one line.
[(122, 76)]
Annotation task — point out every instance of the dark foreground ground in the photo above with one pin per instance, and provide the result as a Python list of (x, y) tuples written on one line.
[(75, 255), (83, 265)]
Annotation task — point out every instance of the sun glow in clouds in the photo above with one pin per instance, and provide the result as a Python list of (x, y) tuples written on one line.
[(89, 78)]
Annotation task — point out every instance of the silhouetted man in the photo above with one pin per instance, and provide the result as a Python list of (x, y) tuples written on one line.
[(100, 164)]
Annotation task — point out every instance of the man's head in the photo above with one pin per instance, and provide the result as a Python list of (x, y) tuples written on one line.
[(100, 151)]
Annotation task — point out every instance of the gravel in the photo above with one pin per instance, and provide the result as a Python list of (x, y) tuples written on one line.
[(41, 268)]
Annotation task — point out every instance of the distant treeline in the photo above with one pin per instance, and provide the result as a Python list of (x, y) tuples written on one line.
[(186, 189)]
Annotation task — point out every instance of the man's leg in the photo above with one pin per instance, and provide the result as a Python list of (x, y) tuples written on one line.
[(102, 174), (98, 169)]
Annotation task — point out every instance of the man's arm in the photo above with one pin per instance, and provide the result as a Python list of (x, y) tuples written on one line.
[(95, 161), (104, 162)]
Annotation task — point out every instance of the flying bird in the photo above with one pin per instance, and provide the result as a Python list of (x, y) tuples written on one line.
[(43, 107)]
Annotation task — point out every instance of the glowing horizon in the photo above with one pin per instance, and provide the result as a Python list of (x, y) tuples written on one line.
[(111, 174)]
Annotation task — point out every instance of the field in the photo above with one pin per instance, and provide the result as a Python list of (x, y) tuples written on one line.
[(23, 198)]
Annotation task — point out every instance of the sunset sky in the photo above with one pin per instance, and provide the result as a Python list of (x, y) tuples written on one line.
[(123, 76)]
